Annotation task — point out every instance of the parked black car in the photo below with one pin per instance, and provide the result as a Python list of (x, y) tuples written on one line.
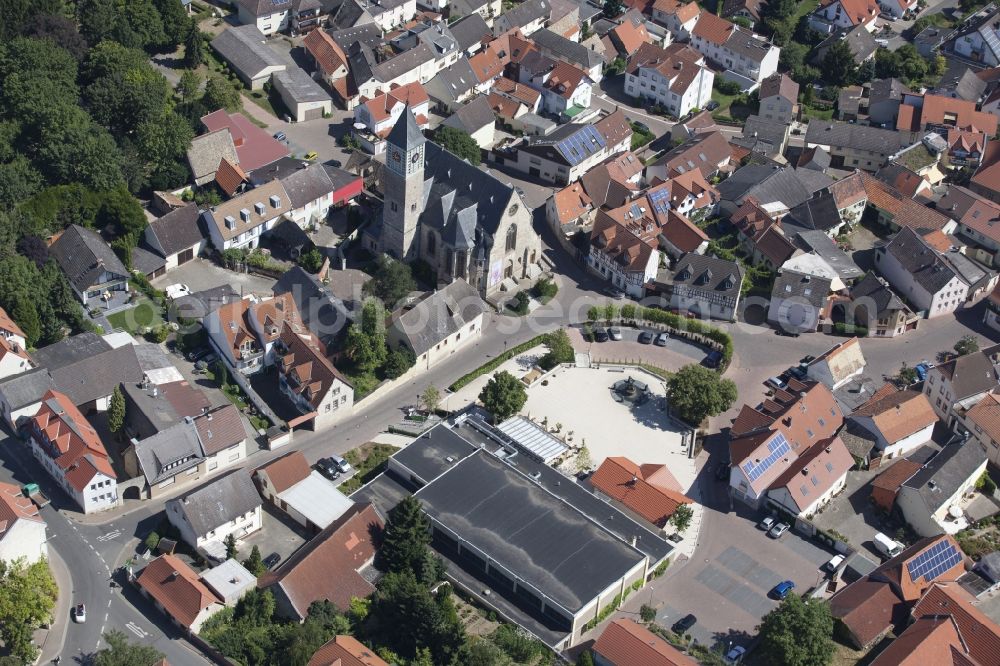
[(645, 338), (601, 335), (682, 625), (328, 468), (272, 560)]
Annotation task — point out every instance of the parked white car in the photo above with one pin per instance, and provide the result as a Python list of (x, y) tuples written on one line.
[(175, 291)]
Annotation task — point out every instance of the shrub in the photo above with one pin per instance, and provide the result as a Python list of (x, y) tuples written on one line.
[(158, 334), (546, 289), (647, 613), (152, 541), (495, 363)]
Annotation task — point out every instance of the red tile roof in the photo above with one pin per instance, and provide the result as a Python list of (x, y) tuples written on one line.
[(625, 643), (229, 176), (648, 490), (176, 587), (626, 240), (902, 210), (929, 640), (254, 146), (345, 651), (980, 634), (940, 110), (412, 95), (898, 414), (327, 53), (985, 415), (14, 506), (815, 471), (286, 471), (8, 324), (220, 428), (896, 475), (571, 202), (564, 79), (327, 566), (987, 176), (713, 29), (629, 37), (75, 446), (749, 420), (303, 360), (857, 11), (517, 91)]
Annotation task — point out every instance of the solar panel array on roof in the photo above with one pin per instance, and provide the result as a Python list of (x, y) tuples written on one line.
[(778, 447), (660, 200), (934, 561), (581, 144)]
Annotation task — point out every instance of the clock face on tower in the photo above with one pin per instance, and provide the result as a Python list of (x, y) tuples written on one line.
[(415, 156), (396, 157)]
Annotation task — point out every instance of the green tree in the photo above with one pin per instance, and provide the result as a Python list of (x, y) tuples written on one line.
[(797, 633), (116, 411), (221, 94), (681, 518), (458, 143), (585, 659), (906, 375), (560, 350), (311, 260), (405, 538), (26, 316), (194, 48), (398, 362), (135, 24), (176, 24), (61, 31), (647, 613), (122, 652), (27, 596), (967, 344), (230, 544), (256, 607), (503, 396), (615, 67), (583, 460), (255, 563), (365, 344), (430, 399), (695, 392), (405, 617), (839, 66), (482, 652), (391, 282), (122, 89), (189, 85), (613, 8)]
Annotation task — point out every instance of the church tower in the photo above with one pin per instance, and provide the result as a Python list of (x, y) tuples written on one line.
[(404, 188)]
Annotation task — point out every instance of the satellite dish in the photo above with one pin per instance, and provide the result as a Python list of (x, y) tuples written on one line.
[(360, 126)]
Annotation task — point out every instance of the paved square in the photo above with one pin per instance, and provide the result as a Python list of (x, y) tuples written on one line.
[(580, 399)]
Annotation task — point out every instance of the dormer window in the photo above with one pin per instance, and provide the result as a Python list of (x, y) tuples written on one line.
[(230, 222), (275, 201), (245, 214), (259, 207)]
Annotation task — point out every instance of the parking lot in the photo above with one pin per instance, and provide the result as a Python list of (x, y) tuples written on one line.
[(736, 564), (677, 352)]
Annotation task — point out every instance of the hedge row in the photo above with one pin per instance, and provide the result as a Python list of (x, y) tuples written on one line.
[(670, 320), (497, 362)]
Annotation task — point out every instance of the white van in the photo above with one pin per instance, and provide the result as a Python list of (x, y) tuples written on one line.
[(887, 546)]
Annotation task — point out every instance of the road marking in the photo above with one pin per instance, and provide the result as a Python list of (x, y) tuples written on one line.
[(137, 630), (109, 536), (109, 604), (92, 547)]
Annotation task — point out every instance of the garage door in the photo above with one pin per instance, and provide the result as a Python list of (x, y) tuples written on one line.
[(312, 114), (185, 256)]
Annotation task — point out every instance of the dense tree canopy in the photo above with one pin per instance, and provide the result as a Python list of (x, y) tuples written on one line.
[(839, 67), (458, 143), (503, 396), (697, 392), (122, 652), (406, 537), (27, 595), (798, 633)]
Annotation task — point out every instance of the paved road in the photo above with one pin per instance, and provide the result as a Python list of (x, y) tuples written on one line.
[(90, 554)]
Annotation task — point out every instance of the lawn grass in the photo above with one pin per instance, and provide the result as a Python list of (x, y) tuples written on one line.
[(135, 319), (806, 7), (368, 459), (818, 114), (724, 100)]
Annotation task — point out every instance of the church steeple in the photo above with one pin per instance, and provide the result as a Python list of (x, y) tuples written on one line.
[(404, 187), (405, 134)]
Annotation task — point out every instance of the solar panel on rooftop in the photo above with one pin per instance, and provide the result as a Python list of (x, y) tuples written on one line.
[(934, 561), (778, 448)]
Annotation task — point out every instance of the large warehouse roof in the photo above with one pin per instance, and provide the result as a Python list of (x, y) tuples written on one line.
[(536, 536)]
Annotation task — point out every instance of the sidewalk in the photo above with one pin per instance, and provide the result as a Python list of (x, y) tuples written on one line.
[(55, 636), (251, 108)]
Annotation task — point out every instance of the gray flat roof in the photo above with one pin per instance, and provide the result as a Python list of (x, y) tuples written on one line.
[(534, 535), (427, 455)]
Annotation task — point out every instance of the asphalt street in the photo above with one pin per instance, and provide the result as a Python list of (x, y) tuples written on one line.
[(90, 554)]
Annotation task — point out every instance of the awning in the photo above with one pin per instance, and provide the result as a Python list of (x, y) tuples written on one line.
[(573, 111)]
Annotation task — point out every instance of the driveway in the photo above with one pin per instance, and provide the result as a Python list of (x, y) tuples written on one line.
[(279, 535), (200, 274)]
